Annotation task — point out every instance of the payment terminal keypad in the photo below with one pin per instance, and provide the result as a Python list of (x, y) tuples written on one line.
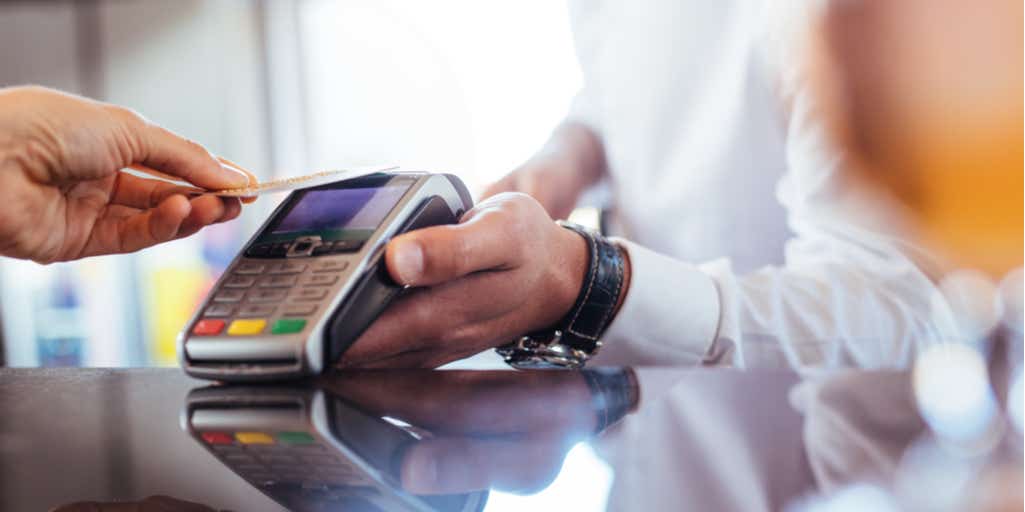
[(276, 297), (282, 457)]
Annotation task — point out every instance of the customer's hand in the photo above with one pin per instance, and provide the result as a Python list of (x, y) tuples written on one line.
[(62, 196), (504, 270), (556, 176)]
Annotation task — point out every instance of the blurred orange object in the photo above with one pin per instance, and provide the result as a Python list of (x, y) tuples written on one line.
[(926, 97)]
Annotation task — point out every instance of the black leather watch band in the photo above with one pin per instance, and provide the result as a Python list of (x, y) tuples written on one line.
[(603, 282)]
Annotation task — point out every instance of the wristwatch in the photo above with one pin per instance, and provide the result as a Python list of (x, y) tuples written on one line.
[(576, 338)]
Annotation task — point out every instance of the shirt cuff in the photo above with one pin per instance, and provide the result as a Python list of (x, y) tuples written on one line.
[(669, 316)]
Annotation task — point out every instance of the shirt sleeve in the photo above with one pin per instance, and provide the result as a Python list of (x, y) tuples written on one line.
[(852, 291)]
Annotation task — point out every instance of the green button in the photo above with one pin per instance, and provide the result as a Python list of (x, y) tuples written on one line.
[(288, 326), (295, 437)]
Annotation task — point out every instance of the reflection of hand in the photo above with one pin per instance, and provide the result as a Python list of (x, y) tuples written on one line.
[(62, 196), (506, 269), (501, 429), (484, 403), (150, 504)]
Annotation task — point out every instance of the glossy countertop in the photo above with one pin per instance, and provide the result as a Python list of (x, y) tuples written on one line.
[(611, 438)]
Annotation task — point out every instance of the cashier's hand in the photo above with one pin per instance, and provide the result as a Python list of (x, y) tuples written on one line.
[(504, 270), (62, 195)]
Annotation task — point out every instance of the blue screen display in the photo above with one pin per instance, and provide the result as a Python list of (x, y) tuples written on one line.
[(339, 213)]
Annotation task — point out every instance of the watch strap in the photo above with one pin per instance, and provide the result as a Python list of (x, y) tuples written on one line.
[(599, 293)]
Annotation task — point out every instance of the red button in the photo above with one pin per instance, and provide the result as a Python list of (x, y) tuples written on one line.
[(208, 327), (217, 438)]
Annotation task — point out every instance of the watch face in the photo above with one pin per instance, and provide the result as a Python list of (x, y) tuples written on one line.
[(529, 353), (543, 362)]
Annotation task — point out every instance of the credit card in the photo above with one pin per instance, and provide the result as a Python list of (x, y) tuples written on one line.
[(295, 182)]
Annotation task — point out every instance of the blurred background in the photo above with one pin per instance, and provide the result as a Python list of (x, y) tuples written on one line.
[(283, 88)]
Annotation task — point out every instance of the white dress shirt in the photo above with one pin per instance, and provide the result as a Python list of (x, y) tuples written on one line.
[(747, 246)]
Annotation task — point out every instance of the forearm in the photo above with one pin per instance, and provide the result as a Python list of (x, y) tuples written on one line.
[(576, 147)]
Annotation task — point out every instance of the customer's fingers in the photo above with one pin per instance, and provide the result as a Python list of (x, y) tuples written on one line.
[(164, 151), (253, 181), (129, 233), (232, 208), (487, 239), (143, 193), (205, 210)]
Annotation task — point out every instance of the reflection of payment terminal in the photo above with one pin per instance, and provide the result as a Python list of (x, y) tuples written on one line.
[(310, 451), (313, 278)]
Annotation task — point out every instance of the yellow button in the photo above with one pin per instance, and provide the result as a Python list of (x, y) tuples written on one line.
[(253, 438), (248, 326)]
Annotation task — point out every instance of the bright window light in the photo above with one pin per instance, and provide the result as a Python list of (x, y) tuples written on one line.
[(460, 86)]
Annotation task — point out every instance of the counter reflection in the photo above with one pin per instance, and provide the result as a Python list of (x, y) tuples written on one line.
[(665, 438), (406, 440)]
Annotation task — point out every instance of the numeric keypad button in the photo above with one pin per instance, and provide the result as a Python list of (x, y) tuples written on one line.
[(279, 281), (320, 279), (251, 310), (262, 295), (334, 265), (288, 267), (239, 282), (219, 310), (229, 296), (247, 269), (299, 309), (309, 294)]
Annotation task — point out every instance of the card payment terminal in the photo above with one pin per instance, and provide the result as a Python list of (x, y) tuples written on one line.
[(313, 278)]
